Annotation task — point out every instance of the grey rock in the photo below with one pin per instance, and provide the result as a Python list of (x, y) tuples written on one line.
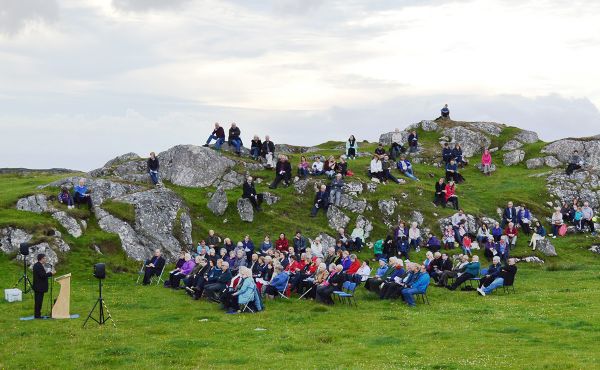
[(490, 128), (387, 206), (589, 150), (552, 162), (186, 228), (218, 202), (245, 210), (471, 141), (234, 178), (471, 224), (512, 145), (371, 187), (34, 203), (336, 218), (270, 198), (595, 249), (193, 166), (417, 217), (429, 125), (394, 137), (566, 188), (34, 250), (11, 238), (364, 223), (527, 137), (134, 246), (353, 204), (546, 247), (121, 159), (531, 259), (514, 157), (535, 163), (69, 223), (479, 166), (327, 241), (353, 187), (301, 185), (102, 189)]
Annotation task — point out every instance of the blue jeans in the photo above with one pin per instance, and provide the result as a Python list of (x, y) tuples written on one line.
[(237, 143), (499, 282), (219, 142), (408, 295), (154, 177), (409, 173), (302, 172), (254, 152)]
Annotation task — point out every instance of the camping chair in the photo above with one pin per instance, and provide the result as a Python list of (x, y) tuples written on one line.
[(158, 278), (282, 294), (347, 292), (508, 288), (141, 273), (482, 273), (423, 296)]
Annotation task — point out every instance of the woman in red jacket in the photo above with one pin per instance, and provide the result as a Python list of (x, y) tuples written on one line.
[(451, 194), (282, 244)]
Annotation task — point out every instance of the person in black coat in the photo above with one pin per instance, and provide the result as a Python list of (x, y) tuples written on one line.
[(40, 283), (255, 147), (153, 167), (447, 153), (321, 201), (267, 147), (153, 267), (335, 281), (250, 194), (234, 139), (440, 193), (283, 171), (509, 215)]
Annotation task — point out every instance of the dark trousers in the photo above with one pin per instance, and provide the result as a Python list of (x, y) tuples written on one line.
[(148, 273), (315, 210), (287, 178), (439, 199), (256, 202), (80, 199), (453, 200), (324, 294), (213, 289), (590, 223), (461, 279), (175, 279), (37, 307), (571, 168)]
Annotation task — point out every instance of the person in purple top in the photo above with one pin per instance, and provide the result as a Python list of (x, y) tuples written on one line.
[(179, 273)]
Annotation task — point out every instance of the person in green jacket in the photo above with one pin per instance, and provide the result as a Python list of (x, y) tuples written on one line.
[(378, 250), (471, 271)]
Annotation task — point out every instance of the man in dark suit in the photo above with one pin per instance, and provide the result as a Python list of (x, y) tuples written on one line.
[(40, 283), (153, 267), (321, 201), (250, 194), (509, 215)]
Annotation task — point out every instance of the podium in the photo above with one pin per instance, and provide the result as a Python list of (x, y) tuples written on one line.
[(60, 310)]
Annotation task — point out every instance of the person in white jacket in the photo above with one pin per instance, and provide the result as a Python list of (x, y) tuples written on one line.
[(414, 236), (317, 167), (316, 248), (376, 169)]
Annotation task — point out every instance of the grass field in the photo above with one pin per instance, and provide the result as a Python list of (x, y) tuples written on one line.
[(553, 321)]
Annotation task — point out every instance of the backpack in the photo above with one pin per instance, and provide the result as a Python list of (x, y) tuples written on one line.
[(563, 230)]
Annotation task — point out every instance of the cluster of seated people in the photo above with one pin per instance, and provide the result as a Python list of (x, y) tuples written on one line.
[(577, 214), (382, 165), (81, 194)]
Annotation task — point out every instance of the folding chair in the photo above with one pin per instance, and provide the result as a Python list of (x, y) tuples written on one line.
[(158, 278), (282, 294), (482, 273), (347, 292), (423, 296), (141, 273), (508, 288)]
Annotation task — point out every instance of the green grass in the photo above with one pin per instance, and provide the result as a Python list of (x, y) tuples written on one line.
[(122, 210), (552, 321)]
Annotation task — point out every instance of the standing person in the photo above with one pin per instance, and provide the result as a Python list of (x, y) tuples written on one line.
[(40, 283), (283, 171), (445, 112), (351, 147), (486, 162), (575, 163), (234, 138), (153, 167), (268, 152), (82, 194), (250, 194), (413, 142), (255, 147), (218, 134)]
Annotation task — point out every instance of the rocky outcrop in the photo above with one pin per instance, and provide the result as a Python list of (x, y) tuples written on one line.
[(69, 223), (479, 166), (546, 247), (589, 150), (584, 185), (34, 203), (471, 225), (270, 198), (301, 185), (527, 137), (245, 210), (11, 239), (552, 162), (127, 157), (396, 136), (471, 141), (387, 206), (193, 166), (353, 187), (595, 249), (218, 202), (353, 204), (101, 189), (512, 145), (534, 163), (514, 157), (488, 128), (417, 217), (336, 218), (364, 223)]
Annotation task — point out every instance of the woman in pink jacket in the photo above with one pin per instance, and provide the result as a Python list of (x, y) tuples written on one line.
[(486, 162)]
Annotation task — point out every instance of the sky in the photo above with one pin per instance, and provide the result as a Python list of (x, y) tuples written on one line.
[(83, 81)]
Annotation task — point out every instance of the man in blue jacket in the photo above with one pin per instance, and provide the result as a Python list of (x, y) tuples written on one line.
[(418, 287)]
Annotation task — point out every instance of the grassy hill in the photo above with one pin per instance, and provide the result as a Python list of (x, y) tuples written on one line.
[(552, 321)]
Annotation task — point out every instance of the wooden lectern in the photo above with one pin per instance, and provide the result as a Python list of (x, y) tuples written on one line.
[(60, 310)]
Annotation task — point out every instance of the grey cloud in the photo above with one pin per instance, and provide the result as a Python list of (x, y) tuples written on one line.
[(148, 5), (15, 15)]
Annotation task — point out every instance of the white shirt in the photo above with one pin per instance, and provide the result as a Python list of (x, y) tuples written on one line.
[(317, 166), (316, 249), (364, 272), (414, 234), (376, 166)]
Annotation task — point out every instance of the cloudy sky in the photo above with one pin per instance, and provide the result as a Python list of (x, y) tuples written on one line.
[(84, 80)]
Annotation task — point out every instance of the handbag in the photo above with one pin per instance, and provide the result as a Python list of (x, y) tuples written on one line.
[(562, 231)]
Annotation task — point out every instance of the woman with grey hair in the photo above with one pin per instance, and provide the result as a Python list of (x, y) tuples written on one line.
[(326, 288)]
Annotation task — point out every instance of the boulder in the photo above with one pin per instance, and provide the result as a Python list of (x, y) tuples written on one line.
[(512, 145), (514, 157), (595, 249), (127, 157), (546, 247), (245, 210), (371, 187), (133, 245), (327, 241), (589, 150), (479, 166), (69, 223), (301, 185), (364, 223), (102, 189), (396, 136), (218, 202), (34, 250), (417, 217), (527, 137), (531, 259), (490, 128), (34, 203), (186, 228), (552, 162), (353, 204), (336, 218), (387, 206), (193, 166), (471, 141), (270, 199), (584, 186), (471, 224), (353, 187), (11, 238), (535, 163), (429, 125)]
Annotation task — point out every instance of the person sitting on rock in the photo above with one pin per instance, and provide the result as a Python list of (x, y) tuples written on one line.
[(497, 232), (486, 162), (342, 166), (266, 246), (336, 189), (483, 234), (509, 215), (506, 277), (396, 150), (457, 154), (449, 238), (81, 194), (357, 238), (267, 151), (538, 234), (283, 171), (511, 233), (321, 201), (65, 197), (153, 167), (405, 167), (376, 169), (250, 193), (282, 243), (345, 239), (380, 151), (439, 197), (255, 147), (450, 194), (413, 142), (557, 221), (153, 266), (452, 172), (351, 147), (575, 163), (524, 219), (317, 167), (401, 240), (386, 166), (234, 138), (588, 217), (445, 112), (466, 245), (218, 134), (471, 270), (330, 167), (303, 168), (446, 154)]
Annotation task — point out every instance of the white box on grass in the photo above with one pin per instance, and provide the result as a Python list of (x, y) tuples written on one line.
[(13, 295)]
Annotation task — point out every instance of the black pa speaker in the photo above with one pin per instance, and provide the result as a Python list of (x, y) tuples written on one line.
[(99, 271), (24, 249)]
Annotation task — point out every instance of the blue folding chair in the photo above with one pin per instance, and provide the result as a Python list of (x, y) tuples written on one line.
[(347, 293)]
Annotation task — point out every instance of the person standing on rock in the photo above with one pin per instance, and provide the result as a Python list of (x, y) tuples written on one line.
[(234, 138), (153, 167), (283, 171), (575, 163), (250, 193), (218, 134), (268, 152), (351, 147)]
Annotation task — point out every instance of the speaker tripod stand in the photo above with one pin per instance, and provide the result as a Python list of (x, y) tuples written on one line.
[(102, 317), (27, 285)]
